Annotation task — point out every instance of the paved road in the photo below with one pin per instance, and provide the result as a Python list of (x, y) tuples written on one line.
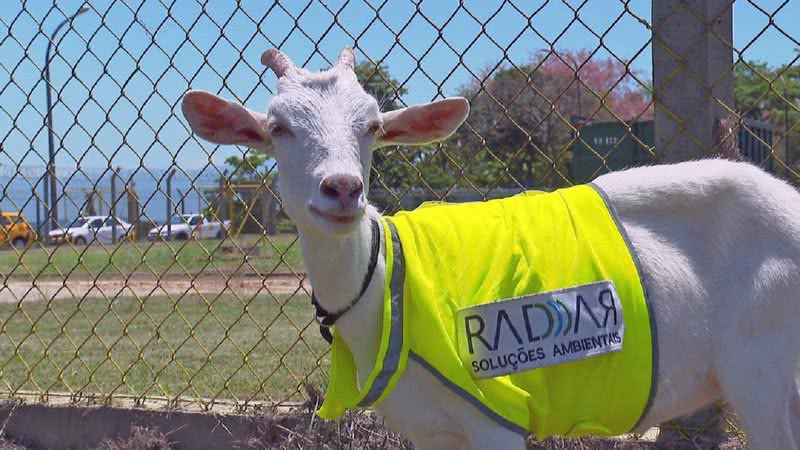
[(13, 291)]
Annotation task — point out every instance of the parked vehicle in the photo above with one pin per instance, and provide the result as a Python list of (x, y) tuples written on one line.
[(84, 230), (15, 230), (190, 226)]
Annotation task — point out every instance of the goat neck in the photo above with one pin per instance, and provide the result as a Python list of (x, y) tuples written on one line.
[(336, 266)]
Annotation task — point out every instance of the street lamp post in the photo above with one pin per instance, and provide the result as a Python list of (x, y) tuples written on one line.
[(52, 208)]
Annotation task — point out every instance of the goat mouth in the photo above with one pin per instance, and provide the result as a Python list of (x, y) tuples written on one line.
[(340, 218)]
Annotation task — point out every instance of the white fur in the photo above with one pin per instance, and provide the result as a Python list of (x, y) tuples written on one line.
[(718, 242)]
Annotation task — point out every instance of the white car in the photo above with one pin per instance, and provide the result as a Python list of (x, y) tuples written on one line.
[(187, 226), (84, 230)]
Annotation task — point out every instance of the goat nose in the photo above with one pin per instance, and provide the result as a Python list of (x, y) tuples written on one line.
[(344, 188)]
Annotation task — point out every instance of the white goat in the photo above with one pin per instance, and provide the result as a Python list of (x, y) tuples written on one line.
[(718, 243)]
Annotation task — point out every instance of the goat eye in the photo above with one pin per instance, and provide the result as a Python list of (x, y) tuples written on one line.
[(277, 130), (374, 128)]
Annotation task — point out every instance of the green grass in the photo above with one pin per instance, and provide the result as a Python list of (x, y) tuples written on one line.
[(223, 348), (250, 253)]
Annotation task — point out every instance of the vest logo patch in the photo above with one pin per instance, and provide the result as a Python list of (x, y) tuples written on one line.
[(539, 330)]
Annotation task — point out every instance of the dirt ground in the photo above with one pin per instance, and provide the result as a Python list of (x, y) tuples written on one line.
[(47, 288)]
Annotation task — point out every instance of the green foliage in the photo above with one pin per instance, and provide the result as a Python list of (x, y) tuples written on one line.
[(430, 167), (379, 83), (771, 94), (392, 166), (519, 132), (424, 166), (765, 93), (249, 168)]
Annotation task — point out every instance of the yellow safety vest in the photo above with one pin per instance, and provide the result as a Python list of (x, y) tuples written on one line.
[(444, 259)]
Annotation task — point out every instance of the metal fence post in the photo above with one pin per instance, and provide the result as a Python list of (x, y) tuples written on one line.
[(692, 74), (38, 215), (272, 207), (169, 203), (222, 198), (693, 91), (180, 202), (133, 205), (114, 175), (46, 208)]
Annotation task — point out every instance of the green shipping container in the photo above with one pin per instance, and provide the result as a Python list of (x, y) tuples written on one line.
[(607, 146)]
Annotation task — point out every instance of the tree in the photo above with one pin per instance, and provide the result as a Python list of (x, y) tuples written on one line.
[(771, 95), (250, 180), (377, 82), (520, 119), (251, 167), (401, 167), (391, 166)]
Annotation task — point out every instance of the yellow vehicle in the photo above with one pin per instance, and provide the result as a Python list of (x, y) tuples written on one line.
[(15, 230)]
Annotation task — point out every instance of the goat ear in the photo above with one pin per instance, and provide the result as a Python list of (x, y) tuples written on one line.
[(225, 122), (422, 124)]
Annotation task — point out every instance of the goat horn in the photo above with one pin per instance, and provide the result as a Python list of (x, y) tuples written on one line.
[(277, 61), (347, 58)]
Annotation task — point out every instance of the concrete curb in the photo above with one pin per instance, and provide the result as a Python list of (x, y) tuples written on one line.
[(57, 427), (78, 427)]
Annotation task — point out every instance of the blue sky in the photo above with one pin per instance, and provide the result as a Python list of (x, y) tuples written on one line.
[(123, 66)]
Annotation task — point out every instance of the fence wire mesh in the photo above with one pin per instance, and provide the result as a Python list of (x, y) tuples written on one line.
[(155, 269)]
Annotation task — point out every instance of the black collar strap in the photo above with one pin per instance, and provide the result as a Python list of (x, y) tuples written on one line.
[(327, 319)]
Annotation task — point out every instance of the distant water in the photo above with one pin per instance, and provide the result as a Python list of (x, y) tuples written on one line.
[(17, 190)]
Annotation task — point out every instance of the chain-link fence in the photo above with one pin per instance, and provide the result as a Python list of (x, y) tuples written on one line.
[(154, 269)]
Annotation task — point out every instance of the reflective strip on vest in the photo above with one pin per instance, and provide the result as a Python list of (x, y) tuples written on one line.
[(392, 358), (343, 392), (446, 257)]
